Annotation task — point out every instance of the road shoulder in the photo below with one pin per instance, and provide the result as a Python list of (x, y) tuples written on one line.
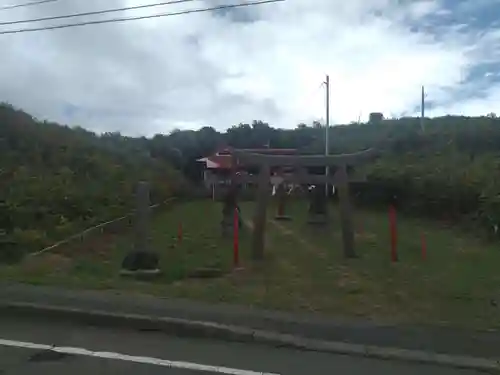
[(477, 350)]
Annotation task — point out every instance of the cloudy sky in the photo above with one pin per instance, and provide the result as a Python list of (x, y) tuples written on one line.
[(262, 62)]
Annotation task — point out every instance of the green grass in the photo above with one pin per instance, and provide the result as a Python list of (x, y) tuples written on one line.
[(454, 285), (304, 269), (96, 262)]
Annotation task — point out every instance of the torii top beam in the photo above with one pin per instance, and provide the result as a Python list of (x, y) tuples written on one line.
[(250, 158)]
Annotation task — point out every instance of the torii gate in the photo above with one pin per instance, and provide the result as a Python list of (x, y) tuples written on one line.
[(339, 179)]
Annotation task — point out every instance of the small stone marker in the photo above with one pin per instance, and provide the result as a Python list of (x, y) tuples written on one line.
[(318, 207), (141, 261), (281, 195), (229, 204)]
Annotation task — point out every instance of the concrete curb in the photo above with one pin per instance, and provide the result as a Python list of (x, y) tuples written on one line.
[(200, 329)]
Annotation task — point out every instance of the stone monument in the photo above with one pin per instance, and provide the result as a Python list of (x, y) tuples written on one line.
[(141, 261), (229, 204), (318, 206), (282, 197)]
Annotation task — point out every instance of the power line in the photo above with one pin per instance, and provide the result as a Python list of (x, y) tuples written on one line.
[(327, 125), (139, 17), (27, 4), (95, 12)]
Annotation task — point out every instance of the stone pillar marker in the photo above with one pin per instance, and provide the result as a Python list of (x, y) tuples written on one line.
[(143, 219), (260, 219), (318, 207), (281, 196), (141, 261)]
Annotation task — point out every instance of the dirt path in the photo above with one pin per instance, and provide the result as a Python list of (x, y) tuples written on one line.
[(288, 232), (285, 231)]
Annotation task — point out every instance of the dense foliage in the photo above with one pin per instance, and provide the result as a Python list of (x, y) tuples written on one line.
[(445, 169), (56, 180)]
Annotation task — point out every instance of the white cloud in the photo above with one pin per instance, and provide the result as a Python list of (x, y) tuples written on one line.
[(421, 9), (204, 69), (474, 106)]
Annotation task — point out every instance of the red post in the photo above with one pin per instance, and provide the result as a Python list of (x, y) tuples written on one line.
[(179, 233), (236, 240), (424, 246), (394, 233)]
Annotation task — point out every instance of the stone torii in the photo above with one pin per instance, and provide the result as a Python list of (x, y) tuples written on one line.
[(340, 179)]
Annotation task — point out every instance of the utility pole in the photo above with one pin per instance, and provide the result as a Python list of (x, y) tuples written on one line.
[(327, 125), (422, 109)]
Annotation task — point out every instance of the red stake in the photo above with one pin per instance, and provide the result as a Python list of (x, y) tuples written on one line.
[(179, 232), (236, 244), (424, 246), (394, 233)]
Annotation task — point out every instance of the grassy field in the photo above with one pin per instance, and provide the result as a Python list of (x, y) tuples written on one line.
[(457, 283), (96, 263), (304, 270)]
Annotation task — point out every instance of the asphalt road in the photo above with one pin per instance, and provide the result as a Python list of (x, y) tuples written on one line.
[(85, 350)]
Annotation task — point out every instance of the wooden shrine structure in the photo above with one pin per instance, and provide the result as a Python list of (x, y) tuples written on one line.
[(340, 178)]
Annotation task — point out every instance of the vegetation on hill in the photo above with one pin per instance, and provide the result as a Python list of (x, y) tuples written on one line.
[(56, 180), (445, 170)]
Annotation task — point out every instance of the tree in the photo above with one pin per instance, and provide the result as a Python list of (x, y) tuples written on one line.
[(57, 180)]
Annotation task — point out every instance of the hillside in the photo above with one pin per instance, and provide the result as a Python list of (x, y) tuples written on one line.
[(57, 180), (446, 170)]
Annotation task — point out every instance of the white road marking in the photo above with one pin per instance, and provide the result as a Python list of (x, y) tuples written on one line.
[(131, 358)]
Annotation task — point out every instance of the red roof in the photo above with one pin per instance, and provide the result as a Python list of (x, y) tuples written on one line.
[(222, 159), (278, 151)]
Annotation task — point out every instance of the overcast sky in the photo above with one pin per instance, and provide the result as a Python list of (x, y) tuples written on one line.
[(263, 62)]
